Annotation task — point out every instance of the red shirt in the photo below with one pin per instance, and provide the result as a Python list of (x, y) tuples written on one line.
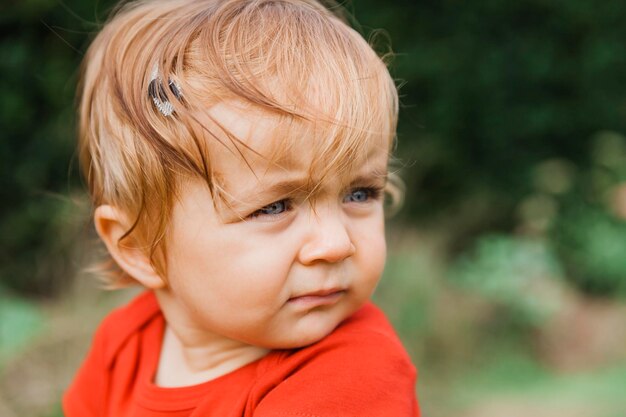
[(361, 369)]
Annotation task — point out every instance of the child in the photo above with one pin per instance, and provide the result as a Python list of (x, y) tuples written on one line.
[(236, 152)]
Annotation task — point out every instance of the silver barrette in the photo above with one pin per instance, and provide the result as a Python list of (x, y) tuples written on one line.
[(156, 91)]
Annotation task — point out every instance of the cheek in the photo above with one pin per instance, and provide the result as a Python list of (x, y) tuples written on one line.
[(377, 256), (232, 266), (371, 244)]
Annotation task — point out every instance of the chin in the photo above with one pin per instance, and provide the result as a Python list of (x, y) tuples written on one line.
[(315, 329)]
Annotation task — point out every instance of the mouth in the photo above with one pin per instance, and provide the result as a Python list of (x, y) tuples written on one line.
[(318, 298)]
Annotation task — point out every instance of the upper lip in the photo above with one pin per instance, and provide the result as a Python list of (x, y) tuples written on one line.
[(319, 293)]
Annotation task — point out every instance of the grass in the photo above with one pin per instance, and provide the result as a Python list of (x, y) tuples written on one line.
[(521, 383), (20, 321)]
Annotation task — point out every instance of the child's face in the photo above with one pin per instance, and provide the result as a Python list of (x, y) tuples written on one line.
[(289, 272)]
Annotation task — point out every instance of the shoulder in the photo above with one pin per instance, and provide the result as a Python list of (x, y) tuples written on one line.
[(85, 396), (369, 322), (370, 342), (360, 369)]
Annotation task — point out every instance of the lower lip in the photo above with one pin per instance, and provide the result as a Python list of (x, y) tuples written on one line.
[(310, 301)]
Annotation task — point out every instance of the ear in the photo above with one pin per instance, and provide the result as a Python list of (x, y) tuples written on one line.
[(111, 224)]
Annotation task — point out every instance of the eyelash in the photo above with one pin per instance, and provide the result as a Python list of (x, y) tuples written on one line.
[(288, 206), (372, 193)]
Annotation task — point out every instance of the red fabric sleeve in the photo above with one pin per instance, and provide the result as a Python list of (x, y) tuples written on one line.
[(88, 394), (361, 375)]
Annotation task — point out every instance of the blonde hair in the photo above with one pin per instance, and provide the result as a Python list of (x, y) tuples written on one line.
[(294, 59)]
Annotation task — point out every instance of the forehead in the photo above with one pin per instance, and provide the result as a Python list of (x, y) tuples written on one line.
[(259, 146)]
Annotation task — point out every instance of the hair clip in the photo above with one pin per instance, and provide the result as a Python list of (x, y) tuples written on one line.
[(156, 91)]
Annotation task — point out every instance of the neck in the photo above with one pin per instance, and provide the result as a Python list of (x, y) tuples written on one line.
[(190, 355)]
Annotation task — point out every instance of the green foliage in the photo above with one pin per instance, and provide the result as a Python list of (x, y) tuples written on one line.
[(41, 52), (513, 273), (491, 88), (589, 237), (523, 106), (593, 246)]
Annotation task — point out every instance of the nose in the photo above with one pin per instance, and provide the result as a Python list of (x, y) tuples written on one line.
[(328, 239)]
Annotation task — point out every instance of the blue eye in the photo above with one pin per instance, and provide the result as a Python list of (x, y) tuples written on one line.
[(362, 195), (273, 209)]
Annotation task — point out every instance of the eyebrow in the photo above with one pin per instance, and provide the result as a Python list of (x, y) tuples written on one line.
[(299, 184), (371, 176), (239, 200)]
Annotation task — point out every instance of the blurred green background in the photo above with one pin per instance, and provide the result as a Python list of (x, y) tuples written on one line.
[(507, 270)]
